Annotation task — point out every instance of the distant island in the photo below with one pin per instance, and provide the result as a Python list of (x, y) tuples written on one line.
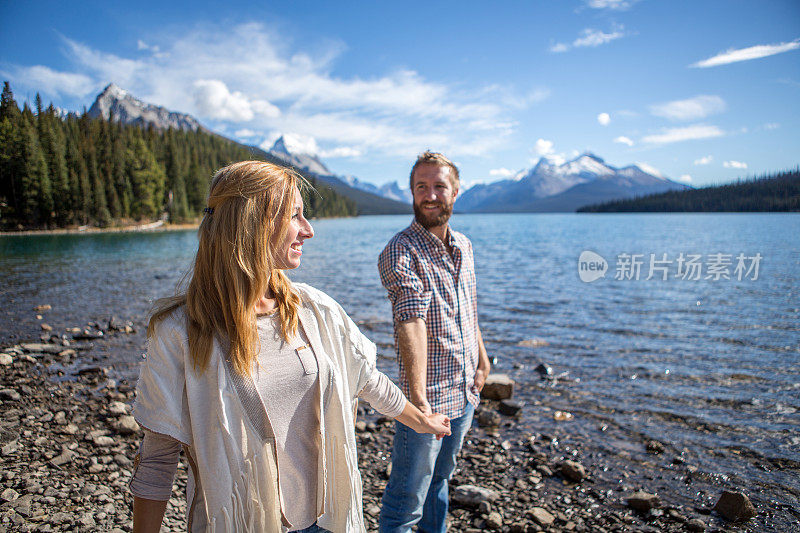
[(770, 193)]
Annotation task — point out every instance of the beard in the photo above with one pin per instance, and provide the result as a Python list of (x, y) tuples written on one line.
[(431, 221)]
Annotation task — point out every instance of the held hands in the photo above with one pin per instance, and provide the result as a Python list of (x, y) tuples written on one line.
[(438, 424)]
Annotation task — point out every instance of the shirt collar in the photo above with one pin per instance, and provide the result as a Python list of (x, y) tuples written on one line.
[(417, 228)]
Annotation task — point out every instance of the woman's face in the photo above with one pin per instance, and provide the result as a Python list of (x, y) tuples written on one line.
[(290, 250)]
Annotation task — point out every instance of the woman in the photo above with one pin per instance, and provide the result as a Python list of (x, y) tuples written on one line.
[(257, 378)]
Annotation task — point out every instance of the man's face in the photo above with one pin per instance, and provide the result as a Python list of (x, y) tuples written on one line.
[(434, 195)]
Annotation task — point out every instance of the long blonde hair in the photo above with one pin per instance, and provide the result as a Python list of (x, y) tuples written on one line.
[(251, 204)]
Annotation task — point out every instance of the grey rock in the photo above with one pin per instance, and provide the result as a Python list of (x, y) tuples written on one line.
[(103, 440), (494, 521), (655, 447), (118, 408), (126, 425), (510, 407), (10, 394), (643, 501), (6, 359), (498, 387), (488, 418), (695, 524), (9, 495), (65, 457), (573, 471), (472, 495), (36, 347), (735, 506), (542, 516)]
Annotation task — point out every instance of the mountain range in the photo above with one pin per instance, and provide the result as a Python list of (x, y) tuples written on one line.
[(551, 187), (547, 187)]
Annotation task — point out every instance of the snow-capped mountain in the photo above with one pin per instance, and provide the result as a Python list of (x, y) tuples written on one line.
[(290, 150), (128, 109), (553, 187), (294, 151)]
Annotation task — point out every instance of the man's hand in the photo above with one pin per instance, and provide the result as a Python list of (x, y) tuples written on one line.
[(480, 378)]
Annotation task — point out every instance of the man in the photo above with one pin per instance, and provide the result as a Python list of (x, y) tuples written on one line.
[(429, 273)]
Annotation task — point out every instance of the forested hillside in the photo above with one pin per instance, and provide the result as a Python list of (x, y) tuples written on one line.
[(775, 192), (61, 171)]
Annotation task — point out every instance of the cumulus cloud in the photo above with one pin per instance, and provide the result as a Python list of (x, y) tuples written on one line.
[(141, 45), (685, 178), (545, 149), (215, 100), (745, 54), (52, 82), (590, 38), (735, 164), (251, 76), (501, 172), (245, 132), (604, 119), (705, 160), (623, 140), (689, 133), (693, 108)]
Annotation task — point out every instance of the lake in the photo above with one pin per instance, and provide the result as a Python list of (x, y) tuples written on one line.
[(707, 359)]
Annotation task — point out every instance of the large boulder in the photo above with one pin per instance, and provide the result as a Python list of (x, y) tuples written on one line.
[(498, 387), (472, 496)]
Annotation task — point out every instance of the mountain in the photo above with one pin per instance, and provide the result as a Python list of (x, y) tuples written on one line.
[(552, 187), (128, 109), (368, 197)]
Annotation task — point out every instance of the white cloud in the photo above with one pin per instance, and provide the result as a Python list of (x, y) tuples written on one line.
[(141, 45), (604, 119), (590, 38), (214, 100), (300, 144), (545, 149), (685, 178), (341, 151), (623, 140), (501, 172), (705, 160), (246, 133), (734, 164), (52, 82), (617, 5), (772, 126), (688, 133), (252, 75), (693, 108), (745, 54)]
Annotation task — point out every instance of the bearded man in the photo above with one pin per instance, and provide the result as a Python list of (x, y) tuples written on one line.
[(429, 274)]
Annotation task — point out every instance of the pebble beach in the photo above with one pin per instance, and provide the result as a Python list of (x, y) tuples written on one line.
[(68, 441)]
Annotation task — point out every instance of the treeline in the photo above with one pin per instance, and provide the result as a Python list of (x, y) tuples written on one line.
[(58, 171), (770, 192)]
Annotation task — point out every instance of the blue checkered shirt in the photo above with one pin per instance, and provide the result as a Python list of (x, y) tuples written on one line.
[(424, 281)]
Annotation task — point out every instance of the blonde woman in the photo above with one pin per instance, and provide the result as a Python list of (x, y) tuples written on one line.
[(256, 378)]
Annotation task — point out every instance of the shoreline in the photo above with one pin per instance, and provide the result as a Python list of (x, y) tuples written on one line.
[(151, 227), (68, 442)]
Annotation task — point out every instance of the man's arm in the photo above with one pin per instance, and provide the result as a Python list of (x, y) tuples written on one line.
[(412, 338), (484, 366)]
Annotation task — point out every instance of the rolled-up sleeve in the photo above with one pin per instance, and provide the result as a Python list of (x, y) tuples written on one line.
[(405, 289)]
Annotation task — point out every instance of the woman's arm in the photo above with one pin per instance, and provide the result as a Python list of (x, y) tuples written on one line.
[(147, 515), (435, 423)]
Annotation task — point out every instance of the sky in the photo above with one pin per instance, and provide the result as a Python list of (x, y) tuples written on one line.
[(704, 92)]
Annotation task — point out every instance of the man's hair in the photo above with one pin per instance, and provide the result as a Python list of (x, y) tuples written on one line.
[(435, 158)]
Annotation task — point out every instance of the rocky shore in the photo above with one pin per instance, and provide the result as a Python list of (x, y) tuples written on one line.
[(67, 442)]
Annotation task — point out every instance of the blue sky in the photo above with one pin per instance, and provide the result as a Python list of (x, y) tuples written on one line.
[(703, 91)]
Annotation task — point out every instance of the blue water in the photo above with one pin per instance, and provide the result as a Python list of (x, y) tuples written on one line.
[(706, 364)]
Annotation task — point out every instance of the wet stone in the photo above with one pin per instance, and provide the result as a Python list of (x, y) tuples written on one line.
[(643, 501), (573, 471), (735, 507)]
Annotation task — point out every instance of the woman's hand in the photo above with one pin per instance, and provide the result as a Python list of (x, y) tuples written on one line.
[(435, 423), (438, 424)]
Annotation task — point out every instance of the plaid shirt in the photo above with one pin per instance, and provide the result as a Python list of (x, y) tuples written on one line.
[(424, 281)]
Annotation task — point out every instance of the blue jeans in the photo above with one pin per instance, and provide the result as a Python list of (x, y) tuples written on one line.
[(421, 467)]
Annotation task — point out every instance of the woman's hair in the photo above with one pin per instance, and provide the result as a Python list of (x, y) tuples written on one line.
[(250, 205)]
